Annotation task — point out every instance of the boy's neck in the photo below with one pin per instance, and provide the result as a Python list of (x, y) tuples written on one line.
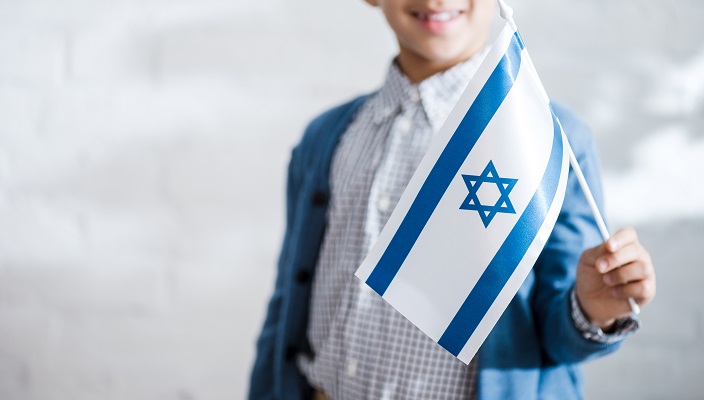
[(418, 68)]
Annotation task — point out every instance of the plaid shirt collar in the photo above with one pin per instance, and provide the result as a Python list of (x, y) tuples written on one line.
[(437, 94)]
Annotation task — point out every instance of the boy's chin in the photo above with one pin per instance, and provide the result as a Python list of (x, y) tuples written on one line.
[(446, 57), (446, 52)]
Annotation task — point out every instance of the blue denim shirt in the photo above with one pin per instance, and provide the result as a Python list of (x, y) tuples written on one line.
[(534, 350)]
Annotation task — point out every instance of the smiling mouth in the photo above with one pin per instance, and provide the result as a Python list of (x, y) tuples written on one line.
[(436, 16)]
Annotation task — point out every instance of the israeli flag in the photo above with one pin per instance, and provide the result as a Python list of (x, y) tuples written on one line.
[(480, 207)]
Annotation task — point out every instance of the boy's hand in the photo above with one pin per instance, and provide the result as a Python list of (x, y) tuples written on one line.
[(612, 272)]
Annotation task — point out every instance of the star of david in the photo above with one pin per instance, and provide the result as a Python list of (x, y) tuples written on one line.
[(489, 176)]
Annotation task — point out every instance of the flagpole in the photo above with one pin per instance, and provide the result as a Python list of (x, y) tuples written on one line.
[(506, 13)]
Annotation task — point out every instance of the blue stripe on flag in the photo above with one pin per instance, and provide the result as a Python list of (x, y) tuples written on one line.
[(448, 164), (508, 256), (520, 41)]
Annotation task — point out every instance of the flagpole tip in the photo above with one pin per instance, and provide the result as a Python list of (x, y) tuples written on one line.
[(505, 11)]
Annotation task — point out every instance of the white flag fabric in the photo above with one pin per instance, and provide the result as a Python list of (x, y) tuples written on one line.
[(479, 208)]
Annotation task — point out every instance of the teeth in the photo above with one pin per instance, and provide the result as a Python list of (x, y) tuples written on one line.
[(444, 16), (441, 16)]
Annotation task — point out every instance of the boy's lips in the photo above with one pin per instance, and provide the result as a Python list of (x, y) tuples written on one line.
[(437, 22)]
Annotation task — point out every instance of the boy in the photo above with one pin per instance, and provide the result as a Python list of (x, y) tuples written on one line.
[(327, 336)]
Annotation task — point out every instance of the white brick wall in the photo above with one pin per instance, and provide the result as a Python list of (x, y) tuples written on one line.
[(142, 155)]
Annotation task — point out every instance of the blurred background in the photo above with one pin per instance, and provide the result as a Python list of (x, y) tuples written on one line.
[(143, 147)]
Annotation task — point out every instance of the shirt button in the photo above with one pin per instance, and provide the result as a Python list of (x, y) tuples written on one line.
[(302, 276), (403, 126), (351, 367), (290, 353), (319, 198), (383, 203), (387, 112), (414, 95)]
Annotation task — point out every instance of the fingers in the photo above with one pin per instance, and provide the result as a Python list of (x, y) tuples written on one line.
[(641, 291), (635, 270), (611, 273), (620, 239), (629, 269), (625, 255)]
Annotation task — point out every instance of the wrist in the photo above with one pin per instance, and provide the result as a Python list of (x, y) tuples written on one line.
[(619, 329), (605, 325)]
